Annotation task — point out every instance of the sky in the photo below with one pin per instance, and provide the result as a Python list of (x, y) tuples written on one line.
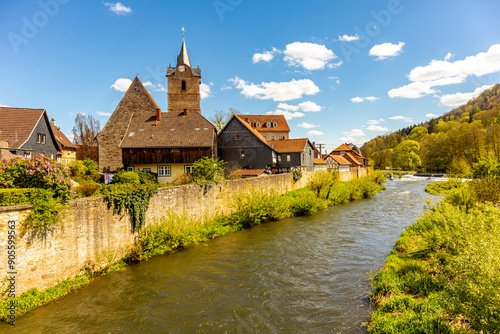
[(339, 70)]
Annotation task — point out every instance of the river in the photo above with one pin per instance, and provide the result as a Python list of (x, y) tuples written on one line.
[(296, 275)]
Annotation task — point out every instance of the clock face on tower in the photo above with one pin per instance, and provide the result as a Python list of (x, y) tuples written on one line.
[(182, 68)]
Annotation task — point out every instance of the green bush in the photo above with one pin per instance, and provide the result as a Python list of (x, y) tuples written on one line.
[(147, 177), (78, 169), (14, 196), (88, 188), (306, 204), (126, 178), (91, 166), (259, 206), (208, 170), (297, 174)]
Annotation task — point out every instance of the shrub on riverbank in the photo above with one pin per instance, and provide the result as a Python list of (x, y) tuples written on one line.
[(443, 275)]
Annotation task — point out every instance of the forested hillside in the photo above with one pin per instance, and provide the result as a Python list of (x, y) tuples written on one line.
[(449, 143)]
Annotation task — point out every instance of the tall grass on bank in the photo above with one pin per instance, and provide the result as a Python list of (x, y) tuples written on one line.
[(177, 231), (443, 275)]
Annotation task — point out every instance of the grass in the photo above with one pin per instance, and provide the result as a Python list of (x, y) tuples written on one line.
[(442, 276), (176, 231)]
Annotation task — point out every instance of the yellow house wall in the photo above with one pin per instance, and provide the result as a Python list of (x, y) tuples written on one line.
[(176, 170), (68, 157)]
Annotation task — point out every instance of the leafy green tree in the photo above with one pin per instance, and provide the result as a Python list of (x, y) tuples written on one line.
[(406, 156), (417, 133), (206, 170)]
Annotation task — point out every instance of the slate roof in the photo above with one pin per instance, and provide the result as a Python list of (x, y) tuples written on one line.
[(340, 159), (282, 124), (183, 58), (172, 130), (252, 130), (17, 124), (288, 145), (61, 139)]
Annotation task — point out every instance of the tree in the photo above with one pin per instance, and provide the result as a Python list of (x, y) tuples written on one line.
[(85, 130), (220, 118), (417, 133), (406, 155), (207, 170)]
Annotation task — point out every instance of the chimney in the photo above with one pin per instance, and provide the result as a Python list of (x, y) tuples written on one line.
[(53, 121), (185, 111), (314, 143), (158, 114)]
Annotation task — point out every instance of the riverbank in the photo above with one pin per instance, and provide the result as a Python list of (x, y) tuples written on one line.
[(177, 231), (442, 276)]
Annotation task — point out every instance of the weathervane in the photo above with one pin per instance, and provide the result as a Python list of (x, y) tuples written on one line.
[(183, 33)]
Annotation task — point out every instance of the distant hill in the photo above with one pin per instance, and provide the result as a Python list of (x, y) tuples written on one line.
[(460, 137)]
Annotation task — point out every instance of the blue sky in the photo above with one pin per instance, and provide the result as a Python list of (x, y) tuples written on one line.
[(341, 71)]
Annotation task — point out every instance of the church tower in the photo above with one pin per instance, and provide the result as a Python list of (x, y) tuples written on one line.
[(183, 85)]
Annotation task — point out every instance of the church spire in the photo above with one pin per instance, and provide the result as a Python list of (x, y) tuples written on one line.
[(183, 57)]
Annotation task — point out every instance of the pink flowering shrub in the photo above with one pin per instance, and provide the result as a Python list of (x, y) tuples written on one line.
[(39, 172)]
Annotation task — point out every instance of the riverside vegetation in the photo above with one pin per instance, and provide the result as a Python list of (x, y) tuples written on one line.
[(442, 276), (177, 231)]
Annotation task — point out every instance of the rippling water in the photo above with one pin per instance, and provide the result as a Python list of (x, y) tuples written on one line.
[(297, 275)]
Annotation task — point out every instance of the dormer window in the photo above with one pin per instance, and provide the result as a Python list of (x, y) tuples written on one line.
[(183, 88), (257, 124), (268, 124), (275, 124)]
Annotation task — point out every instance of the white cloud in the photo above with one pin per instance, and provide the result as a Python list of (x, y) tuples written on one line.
[(288, 114), (375, 121), (309, 106), (121, 84), (224, 87), (276, 91), (358, 99), (118, 8), (308, 55), (418, 89), (266, 56), (430, 115), (347, 38), (373, 127), (287, 107), (386, 50), (354, 133), (337, 80), (478, 65), (315, 133), (456, 100), (205, 90), (357, 141), (307, 125), (3, 105), (406, 119), (448, 56), (153, 87), (103, 113), (70, 137), (335, 65)]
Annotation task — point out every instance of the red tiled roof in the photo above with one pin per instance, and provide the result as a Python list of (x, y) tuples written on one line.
[(282, 124), (318, 161), (61, 139), (172, 130), (342, 147), (340, 159), (289, 145), (250, 172), (356, 161), (17, 124)]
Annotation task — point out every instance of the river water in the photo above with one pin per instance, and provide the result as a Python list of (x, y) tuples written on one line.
[(296, 275)]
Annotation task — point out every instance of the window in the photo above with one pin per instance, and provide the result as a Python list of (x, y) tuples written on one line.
[(146, 170), (275, 124), (183, 88), (188, 169), (237, 137), (272, 137), (288, 157), (268, 124), (130, 169), (27, 155), (257, 124), (242, 154), (163, 170), (279, 158), (131, 151), (40, 138), (145, 150), (52, 156), (175, 150), (281, 138)]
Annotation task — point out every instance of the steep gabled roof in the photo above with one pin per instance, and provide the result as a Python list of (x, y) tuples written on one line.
[(183, 57), (172, 130), (17, 124), (289, 145), (252, 130), (342, 147), (61, 139), (282, 124), (356, 161), (340, 159)]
